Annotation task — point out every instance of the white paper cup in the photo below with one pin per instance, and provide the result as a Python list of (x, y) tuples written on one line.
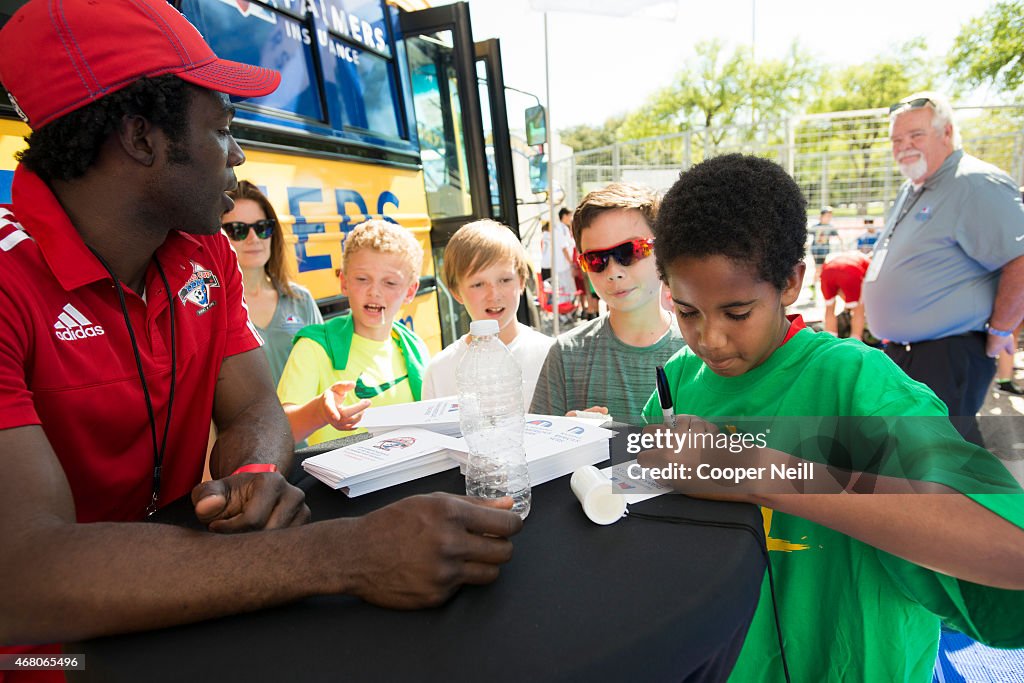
[(594, 491)]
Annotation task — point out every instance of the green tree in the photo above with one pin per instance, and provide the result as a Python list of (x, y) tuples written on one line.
[(584, 137), (781, 87), (990, 48), (716, 91), (659, 115), (851, 148), (878, 82)]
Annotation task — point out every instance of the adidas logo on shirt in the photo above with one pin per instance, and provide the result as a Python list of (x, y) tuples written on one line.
[(72, 325)]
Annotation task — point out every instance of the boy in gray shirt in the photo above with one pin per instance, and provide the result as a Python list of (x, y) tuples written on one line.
[(607, 365)]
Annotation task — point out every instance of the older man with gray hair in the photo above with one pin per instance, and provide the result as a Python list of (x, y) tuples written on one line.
[(946, 282)]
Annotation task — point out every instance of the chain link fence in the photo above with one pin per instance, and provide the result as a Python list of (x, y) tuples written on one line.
[(842, 159)]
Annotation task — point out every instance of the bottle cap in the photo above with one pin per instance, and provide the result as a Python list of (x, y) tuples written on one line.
[(480, 328), (595, 493)]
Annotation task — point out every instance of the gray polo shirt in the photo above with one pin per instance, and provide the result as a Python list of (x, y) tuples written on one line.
[(937, 275), (290, 316)]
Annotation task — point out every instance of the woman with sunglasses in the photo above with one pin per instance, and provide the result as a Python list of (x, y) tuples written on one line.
[(277, 307)]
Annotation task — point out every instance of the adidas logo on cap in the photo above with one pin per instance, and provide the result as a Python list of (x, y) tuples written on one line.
[(72, 325)]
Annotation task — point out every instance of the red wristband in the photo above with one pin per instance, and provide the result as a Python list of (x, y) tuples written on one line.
[(256, 467)]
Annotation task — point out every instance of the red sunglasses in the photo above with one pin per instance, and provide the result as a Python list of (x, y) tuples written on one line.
[(625, 254)]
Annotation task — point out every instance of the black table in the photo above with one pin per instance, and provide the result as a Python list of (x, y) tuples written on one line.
[(637, 600)]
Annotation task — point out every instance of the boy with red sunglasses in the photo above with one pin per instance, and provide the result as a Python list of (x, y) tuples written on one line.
[(608, 364)]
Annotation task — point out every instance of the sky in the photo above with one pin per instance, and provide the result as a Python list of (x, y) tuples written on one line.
[(601, 65)]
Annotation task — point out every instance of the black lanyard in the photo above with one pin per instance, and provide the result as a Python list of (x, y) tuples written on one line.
[(908, 203), (158, 453)]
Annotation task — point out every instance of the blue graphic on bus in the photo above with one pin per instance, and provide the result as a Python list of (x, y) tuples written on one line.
[(344, 198), (303, 230), (6, 177)]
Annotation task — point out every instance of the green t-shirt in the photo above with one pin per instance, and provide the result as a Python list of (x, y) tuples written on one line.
[(849, 611)]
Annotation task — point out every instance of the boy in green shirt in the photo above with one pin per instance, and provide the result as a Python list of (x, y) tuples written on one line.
[(861, 581), (338, 369)]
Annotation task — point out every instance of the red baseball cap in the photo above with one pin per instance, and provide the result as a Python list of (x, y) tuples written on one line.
[(59, 55)]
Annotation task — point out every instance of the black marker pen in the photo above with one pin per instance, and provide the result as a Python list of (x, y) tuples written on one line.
[(665, 396)]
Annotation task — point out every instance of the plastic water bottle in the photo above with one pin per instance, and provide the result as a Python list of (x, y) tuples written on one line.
[(492, 419)]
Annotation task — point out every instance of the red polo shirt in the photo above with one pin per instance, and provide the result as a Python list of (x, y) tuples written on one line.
[(66, 360)]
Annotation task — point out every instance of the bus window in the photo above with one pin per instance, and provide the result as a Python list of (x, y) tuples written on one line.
[(369, 105), (500, 172), (265, 36), (329, 52), (487, 118), (439, 124), (358, 74)]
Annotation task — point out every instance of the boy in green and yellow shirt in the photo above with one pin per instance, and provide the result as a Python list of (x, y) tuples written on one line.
[(338, 369)]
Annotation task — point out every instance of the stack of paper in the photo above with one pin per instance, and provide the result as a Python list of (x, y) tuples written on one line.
[(439, 415), (385, 460), (590, 418), (413, 440), (555, 446)]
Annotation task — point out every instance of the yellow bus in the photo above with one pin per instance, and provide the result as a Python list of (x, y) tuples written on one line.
[(380, 114)]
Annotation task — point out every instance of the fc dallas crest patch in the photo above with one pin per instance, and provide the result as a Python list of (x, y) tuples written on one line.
[(197, 289)]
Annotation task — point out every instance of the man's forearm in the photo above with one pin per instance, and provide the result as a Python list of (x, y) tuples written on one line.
[(62, 581), (67, 581), (258, 434), (1008, 307)]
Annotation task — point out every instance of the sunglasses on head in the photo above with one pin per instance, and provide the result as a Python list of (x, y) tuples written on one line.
[(912, 104), (238, 231), (625, 254)]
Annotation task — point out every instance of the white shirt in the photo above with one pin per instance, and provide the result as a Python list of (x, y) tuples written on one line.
[(563, 240), (529, 348), (567, 242)]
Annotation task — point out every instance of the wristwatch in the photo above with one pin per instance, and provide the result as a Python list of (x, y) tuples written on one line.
[(998, 333)]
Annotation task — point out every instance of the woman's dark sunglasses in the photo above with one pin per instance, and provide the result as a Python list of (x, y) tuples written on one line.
[(625, 254), (238, 231)]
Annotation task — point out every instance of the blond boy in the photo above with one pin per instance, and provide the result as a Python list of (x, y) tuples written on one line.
[(608, 364), (338, 369), (485, 269)]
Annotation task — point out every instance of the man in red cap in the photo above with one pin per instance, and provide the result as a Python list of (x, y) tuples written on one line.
[(124, 333)]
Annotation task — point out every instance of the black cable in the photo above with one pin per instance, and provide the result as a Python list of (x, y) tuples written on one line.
[(158, 453), (758, 535)]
